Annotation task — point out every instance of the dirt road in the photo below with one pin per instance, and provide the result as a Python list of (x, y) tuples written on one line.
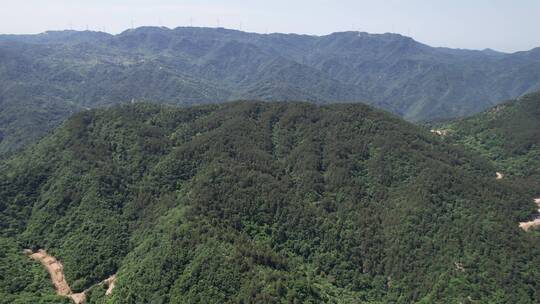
[(110, 282), (534, 223), (56, 271)]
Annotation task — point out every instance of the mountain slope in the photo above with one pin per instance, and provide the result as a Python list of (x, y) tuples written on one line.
[(508, 135), (74, 70), (268, 203)]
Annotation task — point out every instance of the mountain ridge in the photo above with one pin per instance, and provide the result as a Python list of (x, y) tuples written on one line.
[(265, 202), (70, 71)]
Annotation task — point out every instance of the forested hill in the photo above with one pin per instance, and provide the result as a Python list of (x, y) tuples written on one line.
[(508, 135), (44, 78), (252, 202)]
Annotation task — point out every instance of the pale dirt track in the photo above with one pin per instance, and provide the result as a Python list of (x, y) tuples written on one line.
[(110, 282), (56, 271), (534, 223)]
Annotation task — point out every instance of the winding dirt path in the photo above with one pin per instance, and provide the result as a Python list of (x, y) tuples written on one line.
[(56, 271), (534, 223), (110, 282)]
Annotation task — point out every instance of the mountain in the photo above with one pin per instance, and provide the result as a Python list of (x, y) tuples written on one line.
[(263, 202), (47, 77), (508, 135)]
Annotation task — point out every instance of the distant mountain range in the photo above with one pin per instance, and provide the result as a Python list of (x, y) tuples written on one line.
[(44, 78)]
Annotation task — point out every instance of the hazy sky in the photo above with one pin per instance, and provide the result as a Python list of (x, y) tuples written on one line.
[(506, 25)]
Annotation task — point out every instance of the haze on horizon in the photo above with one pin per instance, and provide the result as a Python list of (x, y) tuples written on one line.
[(506, 26)]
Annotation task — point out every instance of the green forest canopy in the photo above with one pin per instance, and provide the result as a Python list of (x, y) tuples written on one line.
[(252, 202), (508, 135)]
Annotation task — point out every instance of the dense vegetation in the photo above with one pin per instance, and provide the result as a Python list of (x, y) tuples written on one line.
[(23, 281), (508, 135), (44, 78), (252, 202)]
